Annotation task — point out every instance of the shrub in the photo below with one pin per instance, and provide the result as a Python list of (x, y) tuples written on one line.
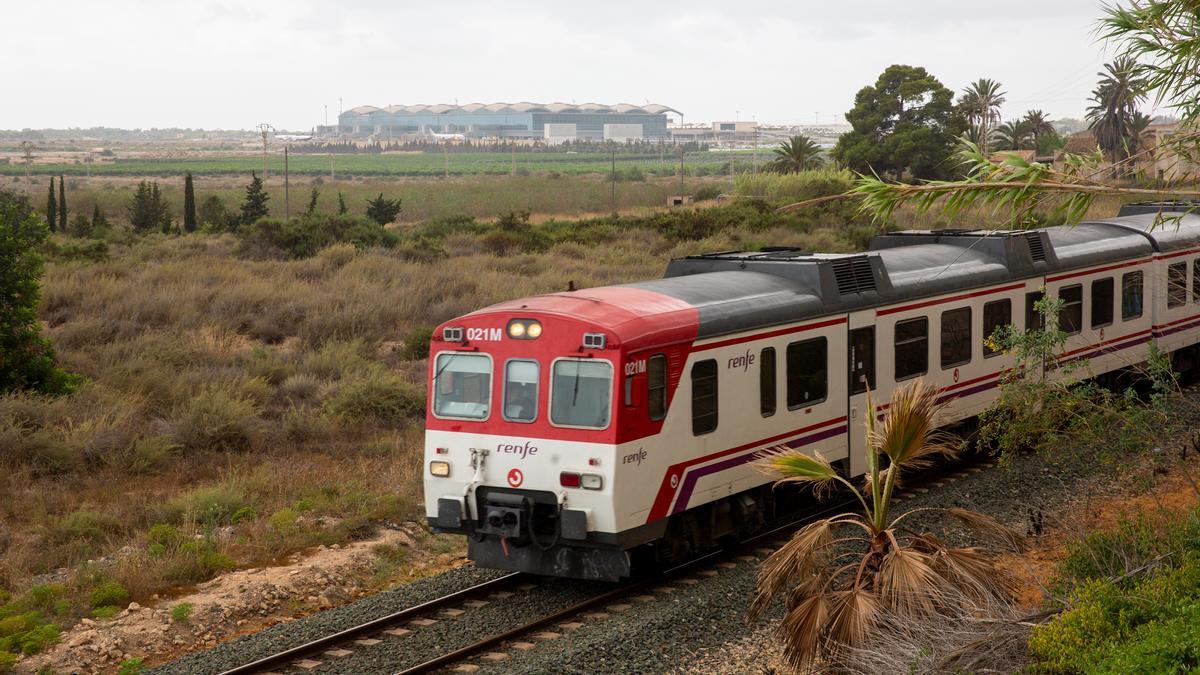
[(106, 612), (304, 237), (181, 612), (83, 525), (380, 397), (216, 420), (110, 593), (165, 535), (706, 193), (211, 506), (196, 561), (131, 666), (416, 343)]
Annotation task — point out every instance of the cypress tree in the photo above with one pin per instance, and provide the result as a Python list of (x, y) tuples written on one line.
[(341, 205), (62, 204), (255, 204), (51, 207), (189, 204)]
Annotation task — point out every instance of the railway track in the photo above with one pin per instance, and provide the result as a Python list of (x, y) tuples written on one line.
[(329, 650)]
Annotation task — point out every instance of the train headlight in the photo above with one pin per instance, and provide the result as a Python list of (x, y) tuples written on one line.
[(439, 469), (524, 329)]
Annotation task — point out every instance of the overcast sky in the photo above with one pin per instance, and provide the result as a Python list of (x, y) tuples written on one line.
[(233, 64)]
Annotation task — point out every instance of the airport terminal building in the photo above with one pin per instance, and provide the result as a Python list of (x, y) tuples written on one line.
[(554, 122)]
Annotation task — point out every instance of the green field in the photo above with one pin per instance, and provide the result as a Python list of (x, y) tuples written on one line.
[(409, 164)]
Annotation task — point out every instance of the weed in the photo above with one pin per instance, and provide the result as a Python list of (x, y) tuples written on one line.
[(182, 612), (131, 666), (106, 612), (380, 397), (216, 420), (110, 593)]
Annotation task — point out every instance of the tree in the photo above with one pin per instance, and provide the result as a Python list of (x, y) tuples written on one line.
[(1013, 136), (62, 204), (148, 211), (27, 360), (214, 215), (1139, 122), (189, 203), (1116, 97), (99, 221), (981, 102), (1039, 126), (52, 207), (383, 211), (254, 206), (798, 153), (312, 203), (904, 126), (342, 210), (841, 576)]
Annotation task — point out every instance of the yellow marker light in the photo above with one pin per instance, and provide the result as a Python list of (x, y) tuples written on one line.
[(535, 330), (439, 469), (516, 329)]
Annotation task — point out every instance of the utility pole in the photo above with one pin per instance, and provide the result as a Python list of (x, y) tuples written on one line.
[(681, 169), (265, 130), (755, 148), (287, 202), (27, 148), (446, 161), (514, 158), (613, 148)]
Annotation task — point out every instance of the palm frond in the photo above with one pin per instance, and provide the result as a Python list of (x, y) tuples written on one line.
[(809, 548), (989, 528), (907, 583), (852, 614), (803, 626)]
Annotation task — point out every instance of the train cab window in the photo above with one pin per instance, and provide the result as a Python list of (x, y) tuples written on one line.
[(462, 386), (766, 382), (956, 337), (1196, 280), (580, 393), (1177, 284), (807, 372), (1070, 316), (1033, 318), (656, 386), (912, 348), (520, 391), (1102, 302), (704, 397), (1131, 295), (996, 314), (862, 359)]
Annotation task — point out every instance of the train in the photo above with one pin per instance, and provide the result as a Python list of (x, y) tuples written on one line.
[(569, 434)]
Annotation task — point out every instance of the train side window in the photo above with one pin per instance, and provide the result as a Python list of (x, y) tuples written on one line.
[(996, 314), (1102, 302), (766, 382), (704, 397), (807, 372), (956, 337), (1033, 318), (656, 386), (1070, 317), (1131, 295), (912, 348), (1177, 284), (1196, 280)]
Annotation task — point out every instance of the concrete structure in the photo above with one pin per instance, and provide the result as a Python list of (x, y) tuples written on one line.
[(504, 120), (557, 134), (623, 132)]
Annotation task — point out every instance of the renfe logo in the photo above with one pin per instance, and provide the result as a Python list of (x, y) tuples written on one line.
[(743, 362), (634, 457), (523, 450), (515, 478)]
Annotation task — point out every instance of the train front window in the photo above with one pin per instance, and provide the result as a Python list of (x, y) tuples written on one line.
[(580, 393), (462, 386), (520, 391)]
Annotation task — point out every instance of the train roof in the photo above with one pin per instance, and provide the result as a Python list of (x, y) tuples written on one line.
[(733, 291)]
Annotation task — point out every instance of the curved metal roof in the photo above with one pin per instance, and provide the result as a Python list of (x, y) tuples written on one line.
[(521, 107)]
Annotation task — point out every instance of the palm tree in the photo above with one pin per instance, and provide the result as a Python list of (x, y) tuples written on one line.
[(841, 576), (981, 102), (798, 153), (1119, 91), (1039, 125), (1139, 122), (1013, 136)]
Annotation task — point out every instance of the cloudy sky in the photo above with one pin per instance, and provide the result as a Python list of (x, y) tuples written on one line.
[(233, 64)]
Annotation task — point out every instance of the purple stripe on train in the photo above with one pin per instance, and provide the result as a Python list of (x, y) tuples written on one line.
[(689, 483)]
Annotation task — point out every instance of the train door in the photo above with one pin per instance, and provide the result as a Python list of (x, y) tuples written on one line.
[(861, 370)]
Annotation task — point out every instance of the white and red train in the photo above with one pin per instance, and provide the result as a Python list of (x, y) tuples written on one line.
[(567, 431)]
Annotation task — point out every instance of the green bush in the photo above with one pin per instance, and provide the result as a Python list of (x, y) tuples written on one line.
[(110, 593), (131, 666), (196, 561), (106, 612), (165, 535), (182, 612), (210, 506), (83, 525), (216, 420), (380, 397), (706, 193), (304, 237), (416, 343)]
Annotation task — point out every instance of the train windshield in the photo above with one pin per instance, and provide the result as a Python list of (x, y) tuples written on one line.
[(581, 393), (463, 386)]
